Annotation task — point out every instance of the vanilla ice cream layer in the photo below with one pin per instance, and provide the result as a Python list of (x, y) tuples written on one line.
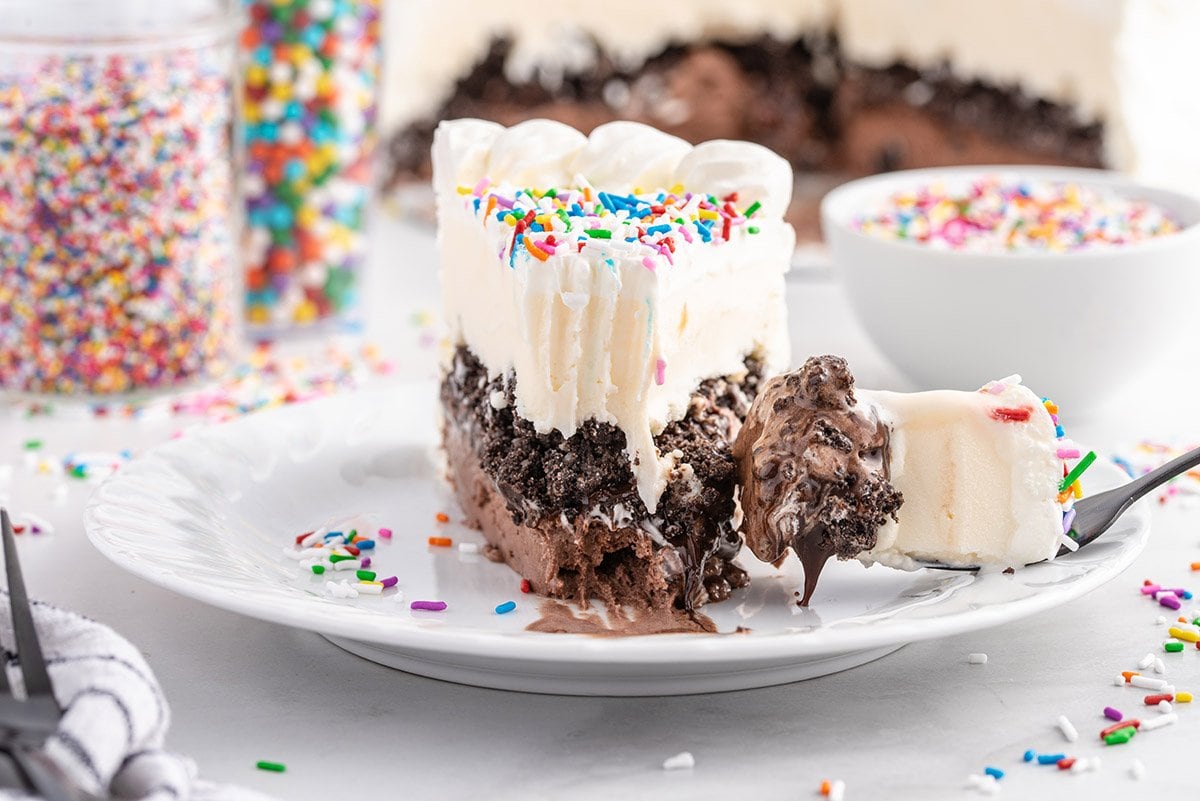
[(614, 332), (979, 472)]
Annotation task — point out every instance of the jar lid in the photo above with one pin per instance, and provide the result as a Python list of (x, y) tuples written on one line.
[(88, 24)]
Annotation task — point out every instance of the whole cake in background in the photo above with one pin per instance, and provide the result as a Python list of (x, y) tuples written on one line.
[(613, 302), (838, 87)]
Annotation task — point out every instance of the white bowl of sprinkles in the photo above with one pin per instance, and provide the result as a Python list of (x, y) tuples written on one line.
[(1080, 280)]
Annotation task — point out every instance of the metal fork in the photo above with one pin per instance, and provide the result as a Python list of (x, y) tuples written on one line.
[(26, 724), (1095, 514)]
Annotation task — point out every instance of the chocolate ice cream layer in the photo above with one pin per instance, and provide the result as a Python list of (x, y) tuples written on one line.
[(813, 470), (564, 512)]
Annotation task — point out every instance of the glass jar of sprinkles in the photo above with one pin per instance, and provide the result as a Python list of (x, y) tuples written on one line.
[(119, 211), (311, 75)]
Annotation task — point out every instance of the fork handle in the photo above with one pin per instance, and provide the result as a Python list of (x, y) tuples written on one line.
[(1156, 478)]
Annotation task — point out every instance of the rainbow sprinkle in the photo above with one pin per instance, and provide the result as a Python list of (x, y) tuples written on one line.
[(642, 227), (428, 606), (1070, 489), (332, 548), (1002, 215)]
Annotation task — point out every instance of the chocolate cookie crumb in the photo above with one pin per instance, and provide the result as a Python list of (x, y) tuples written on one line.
[(813, 470)]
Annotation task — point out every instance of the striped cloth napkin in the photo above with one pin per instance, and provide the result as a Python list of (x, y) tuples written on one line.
[(110, 739)]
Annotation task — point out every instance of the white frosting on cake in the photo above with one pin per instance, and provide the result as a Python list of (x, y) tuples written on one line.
[(753, 171), (1127, 63), (585, 331), (977, 490), (534, 153), (627, 156)]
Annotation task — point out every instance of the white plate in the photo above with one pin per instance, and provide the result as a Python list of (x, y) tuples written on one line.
[(209, 516)]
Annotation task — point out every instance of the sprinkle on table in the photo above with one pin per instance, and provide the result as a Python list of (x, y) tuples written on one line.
[(1120, 724), (985, 783), (1159, 721), (833, 789), (273, 767), (681, 761), (1170, 601), (1067, 728), (1147, 683), (1186, 635), (441, 542), (506, 607), (267, 377)]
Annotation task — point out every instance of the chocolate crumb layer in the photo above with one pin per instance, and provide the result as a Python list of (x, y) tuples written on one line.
[(813, 470), (565, 511)]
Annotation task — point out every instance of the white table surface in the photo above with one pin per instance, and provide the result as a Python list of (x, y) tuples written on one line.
[(912, 725)]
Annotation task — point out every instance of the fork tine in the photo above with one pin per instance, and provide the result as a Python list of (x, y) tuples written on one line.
[(29, 650)]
